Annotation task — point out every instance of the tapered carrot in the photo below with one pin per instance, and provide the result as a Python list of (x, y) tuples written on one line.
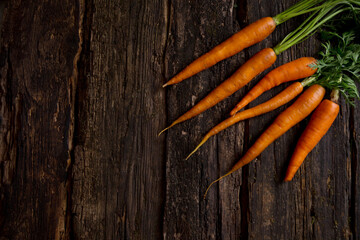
[(294, 70), (300, 109), (320, 122), (263, 60), (255, 65), (338, 71), (248, 36), (282, 98)]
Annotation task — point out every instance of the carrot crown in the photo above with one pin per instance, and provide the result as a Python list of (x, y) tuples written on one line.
[(339, 66), (325, 12)]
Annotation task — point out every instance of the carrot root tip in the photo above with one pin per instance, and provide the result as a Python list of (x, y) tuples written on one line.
[(189, 156), (231, 171), (164, 130), (198, 146), (191, 153), (171, 125), (165, 85), (235, 110), (209, 188), (287, 179)]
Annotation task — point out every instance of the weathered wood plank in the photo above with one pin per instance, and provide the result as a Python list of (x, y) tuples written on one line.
[(98, 117), (354, 171), (196, 27), (315, 205), (309, 207), (118, 172), (35, 67), (273, 209)]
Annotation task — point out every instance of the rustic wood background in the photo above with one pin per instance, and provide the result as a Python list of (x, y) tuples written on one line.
[(82, 103)]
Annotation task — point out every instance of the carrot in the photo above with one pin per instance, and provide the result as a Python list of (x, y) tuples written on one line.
[(282, 98), (262, 60), (255, 65), (320, 122), (338, 71), (300, 109), (246, 37), (291, 71)]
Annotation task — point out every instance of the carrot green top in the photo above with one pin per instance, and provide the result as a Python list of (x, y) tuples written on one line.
[(326, 12), (339, 66), (302, 7)]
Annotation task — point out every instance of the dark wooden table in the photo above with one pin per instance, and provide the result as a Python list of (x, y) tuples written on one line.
[(81, 106)]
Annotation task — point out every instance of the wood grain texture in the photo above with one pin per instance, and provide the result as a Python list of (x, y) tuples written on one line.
[(192, 33), (82, 103), (259, 204), (308, 207), (353, 173), (36, 67), (119, 160)]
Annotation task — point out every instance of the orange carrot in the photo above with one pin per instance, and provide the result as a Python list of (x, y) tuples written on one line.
[(255, 65), (291, 71), (320, 122), (282, 98), (300, 109), (263, 60), (248, 36)]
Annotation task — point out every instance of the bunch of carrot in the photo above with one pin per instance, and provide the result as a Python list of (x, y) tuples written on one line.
[(319, 73)]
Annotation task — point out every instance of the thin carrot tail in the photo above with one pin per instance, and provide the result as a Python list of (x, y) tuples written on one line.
[(248, 36), (166, 84), (290, 173), (164, 129), (256, 91), (215, 182), (171, 125), (198, 146), (237, 108)]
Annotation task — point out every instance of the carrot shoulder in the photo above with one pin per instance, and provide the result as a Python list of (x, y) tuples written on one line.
[(248, 36), (291, 71), (320, 122), (300, 109), (250, 69)]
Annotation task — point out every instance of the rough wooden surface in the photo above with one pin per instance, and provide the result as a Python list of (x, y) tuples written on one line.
[(81, 106), (118, 169), (38, 46)]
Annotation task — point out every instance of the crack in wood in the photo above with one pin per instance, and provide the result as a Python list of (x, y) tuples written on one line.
[(72, 96), (354, 166), (10, 112), (244, 190), (118, 174), (242, 13)]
